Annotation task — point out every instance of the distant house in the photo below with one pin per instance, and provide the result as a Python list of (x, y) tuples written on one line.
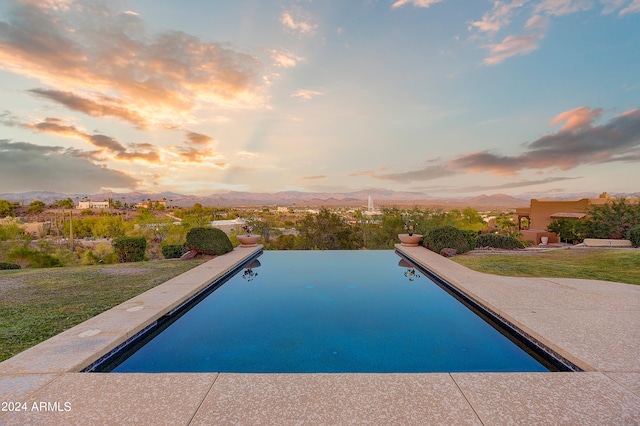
[(541, 213), (93, 205), (152, 203)]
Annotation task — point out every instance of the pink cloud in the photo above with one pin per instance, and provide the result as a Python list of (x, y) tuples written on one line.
[(499, 16), (577, 118), (86, 49), (415, 3), (511, 46)]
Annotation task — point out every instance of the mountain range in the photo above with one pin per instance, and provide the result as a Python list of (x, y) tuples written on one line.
[(380, 197)]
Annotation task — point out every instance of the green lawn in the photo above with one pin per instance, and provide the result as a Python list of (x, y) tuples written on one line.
[(595, 264), (36, 304)]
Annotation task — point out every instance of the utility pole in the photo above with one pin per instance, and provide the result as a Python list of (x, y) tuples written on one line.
[(71, 229)]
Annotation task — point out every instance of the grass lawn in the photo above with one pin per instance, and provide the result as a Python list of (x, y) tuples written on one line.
[(594, 264), (36, 304)]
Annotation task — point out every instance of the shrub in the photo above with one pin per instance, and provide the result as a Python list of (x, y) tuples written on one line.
[(634, 236), (211, 241), (498, 241), (130, 249), (5, 265), (447, 237), (102, 253), (173, 251), (31, 258), (471, 237)]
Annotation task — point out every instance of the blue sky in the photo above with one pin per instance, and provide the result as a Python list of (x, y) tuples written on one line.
[(445, 97)]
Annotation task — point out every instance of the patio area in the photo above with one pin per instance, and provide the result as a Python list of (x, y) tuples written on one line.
[(593, 324)]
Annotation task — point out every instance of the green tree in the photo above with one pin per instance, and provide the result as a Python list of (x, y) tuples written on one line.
[(63, 204), (567, 229), (36, 206), (326, 231), (6, 208), (110, 227), (611, 220)]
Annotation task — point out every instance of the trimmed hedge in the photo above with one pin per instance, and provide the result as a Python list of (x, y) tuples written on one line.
[(130, 249), (173, 251), (498, 241), (212, 241), (447, 237), (5, 265), (634, 236)]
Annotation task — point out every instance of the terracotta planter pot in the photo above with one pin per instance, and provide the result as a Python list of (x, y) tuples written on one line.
[(410, 240), (248, 240)]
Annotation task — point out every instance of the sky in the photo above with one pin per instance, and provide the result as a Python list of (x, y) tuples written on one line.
[(450, 98)]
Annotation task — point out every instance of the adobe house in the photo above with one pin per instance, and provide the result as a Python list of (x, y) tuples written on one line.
[(541, 213)]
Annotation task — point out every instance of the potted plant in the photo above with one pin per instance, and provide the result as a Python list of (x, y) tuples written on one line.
[(410, 239), (248, 240)]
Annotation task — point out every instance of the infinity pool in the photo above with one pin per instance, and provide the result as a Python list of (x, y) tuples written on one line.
[(330, 312)]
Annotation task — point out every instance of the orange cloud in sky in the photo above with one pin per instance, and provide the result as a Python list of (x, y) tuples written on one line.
[(103, 142), (105, 107), (153, 74), (415, 3), (577, 143), (576, 118)]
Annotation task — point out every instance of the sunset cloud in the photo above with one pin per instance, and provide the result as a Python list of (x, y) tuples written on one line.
[(103, 142), (285, 59), (513, 45), (299, 25), (540, 13), (499, 16), (28, 167), (415, 3), (198, 150), (114, 54), (633, 7), (306, 94), (198, 138), (579, 142), (106, 107), (577, 118), (562, 7)]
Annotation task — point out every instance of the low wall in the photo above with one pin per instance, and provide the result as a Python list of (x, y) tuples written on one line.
[(535, 235), (595, 242)]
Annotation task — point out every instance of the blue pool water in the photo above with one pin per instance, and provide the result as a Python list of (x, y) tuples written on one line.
[(330, 311)]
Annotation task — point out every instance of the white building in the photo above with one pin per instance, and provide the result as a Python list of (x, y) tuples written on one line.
[(228, 225), (93, 205)]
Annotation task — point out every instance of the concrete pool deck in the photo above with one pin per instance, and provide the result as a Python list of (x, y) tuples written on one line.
[(594, 324)]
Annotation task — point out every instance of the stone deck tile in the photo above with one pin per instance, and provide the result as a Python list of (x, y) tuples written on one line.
[(549, 399), (337, 399), (600, 340), (19, 387), (595, 324), (116, 399), (630, 381)]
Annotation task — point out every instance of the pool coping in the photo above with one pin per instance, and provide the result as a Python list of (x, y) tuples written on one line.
[(594, 324)]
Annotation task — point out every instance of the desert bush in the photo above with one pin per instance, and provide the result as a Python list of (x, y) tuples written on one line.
[(634, 236), (101, 253), (211, 241), (130, 249), (447, 237), (7, 265), (30, 258), (498, 241), (173, 251)]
